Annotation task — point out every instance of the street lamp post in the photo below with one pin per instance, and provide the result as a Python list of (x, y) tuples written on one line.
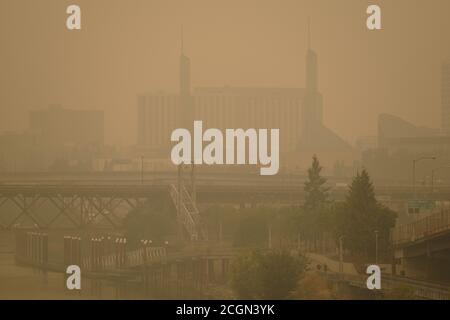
[(432, 176), (220, 230), (193, 185), (414, 171), (270, 235), (142, 169), (376, 247), (341, 255)]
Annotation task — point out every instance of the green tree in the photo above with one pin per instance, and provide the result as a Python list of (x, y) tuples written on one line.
[(316, 193), (314, 214), (361, 215), (314, 286), (271, 275), (288, 221), (154, 220), (221, 221), (252, 229), (244, 275)]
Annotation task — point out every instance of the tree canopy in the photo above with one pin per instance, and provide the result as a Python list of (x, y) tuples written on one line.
[(270, 275), (316, 193), (361, 215)]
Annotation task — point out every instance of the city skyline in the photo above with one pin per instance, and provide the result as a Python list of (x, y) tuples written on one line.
[(296, 112), (225, 150), (222, 60)]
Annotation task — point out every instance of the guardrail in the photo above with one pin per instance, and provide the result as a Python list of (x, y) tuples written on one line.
[(131, 259), (420, 289), (421, 229)]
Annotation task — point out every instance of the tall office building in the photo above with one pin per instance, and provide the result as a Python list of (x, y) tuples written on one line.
[(315, 137), (247, 107), (297, 112), (220, 107), (158, 115), (445, 96), (312, 111)]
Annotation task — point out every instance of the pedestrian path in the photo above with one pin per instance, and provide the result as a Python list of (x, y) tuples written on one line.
[(332, 265)]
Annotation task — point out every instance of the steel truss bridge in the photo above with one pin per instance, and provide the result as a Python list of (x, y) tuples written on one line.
[(77, 206), (103, 200)]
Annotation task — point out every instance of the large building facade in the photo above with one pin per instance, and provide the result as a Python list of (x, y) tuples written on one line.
[(225, 107), (297, 112)]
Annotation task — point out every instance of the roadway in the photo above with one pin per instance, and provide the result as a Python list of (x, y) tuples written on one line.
[(233, 184)]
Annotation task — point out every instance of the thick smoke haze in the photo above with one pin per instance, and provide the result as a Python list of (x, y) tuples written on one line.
[(130, 47), (225, 150)]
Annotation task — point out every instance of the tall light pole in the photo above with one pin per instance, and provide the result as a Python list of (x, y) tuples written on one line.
[(414, 171), (376, 247), (142, 169), (270, 235), (220, 230), (341, 255), (432, 175), (193, 185)]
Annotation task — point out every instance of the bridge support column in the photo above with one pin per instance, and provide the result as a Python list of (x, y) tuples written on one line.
[(151, 285), (179, 266), (225, 263), (179, 201), (210, 263), (199, 274), (166, 279)]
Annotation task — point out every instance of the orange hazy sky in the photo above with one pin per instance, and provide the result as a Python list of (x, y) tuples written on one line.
[(127, 47)]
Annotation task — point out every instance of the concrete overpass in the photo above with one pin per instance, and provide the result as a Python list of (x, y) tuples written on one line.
[(217, 182), (423, 247), (82, 199)]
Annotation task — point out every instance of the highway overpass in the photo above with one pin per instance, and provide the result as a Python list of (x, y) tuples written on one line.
[(423, 247), (81, 198)]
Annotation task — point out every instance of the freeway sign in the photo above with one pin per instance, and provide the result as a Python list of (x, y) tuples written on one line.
[(416, 206)]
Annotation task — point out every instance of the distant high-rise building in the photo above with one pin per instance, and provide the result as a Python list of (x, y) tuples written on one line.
[(220, 107), (315, 137), (445, 96), (158, 115), (395, 133), (312, 110), (297, 112), (57, 126)]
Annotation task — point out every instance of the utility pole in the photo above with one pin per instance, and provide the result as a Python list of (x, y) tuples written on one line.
[(178, 189), (142, 169), (270, 234), (432, 176), (220, 230), (414, 172), (193, 186), (341, 256), (376, 247)]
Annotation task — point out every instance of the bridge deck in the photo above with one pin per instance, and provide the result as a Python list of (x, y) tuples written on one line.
[(429, 227)]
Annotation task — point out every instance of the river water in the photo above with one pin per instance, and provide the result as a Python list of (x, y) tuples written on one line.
[(22, 282)]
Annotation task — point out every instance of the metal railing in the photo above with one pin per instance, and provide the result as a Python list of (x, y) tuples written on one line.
[(188, 214), (421, 229), (420, 289), (130, 259)]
